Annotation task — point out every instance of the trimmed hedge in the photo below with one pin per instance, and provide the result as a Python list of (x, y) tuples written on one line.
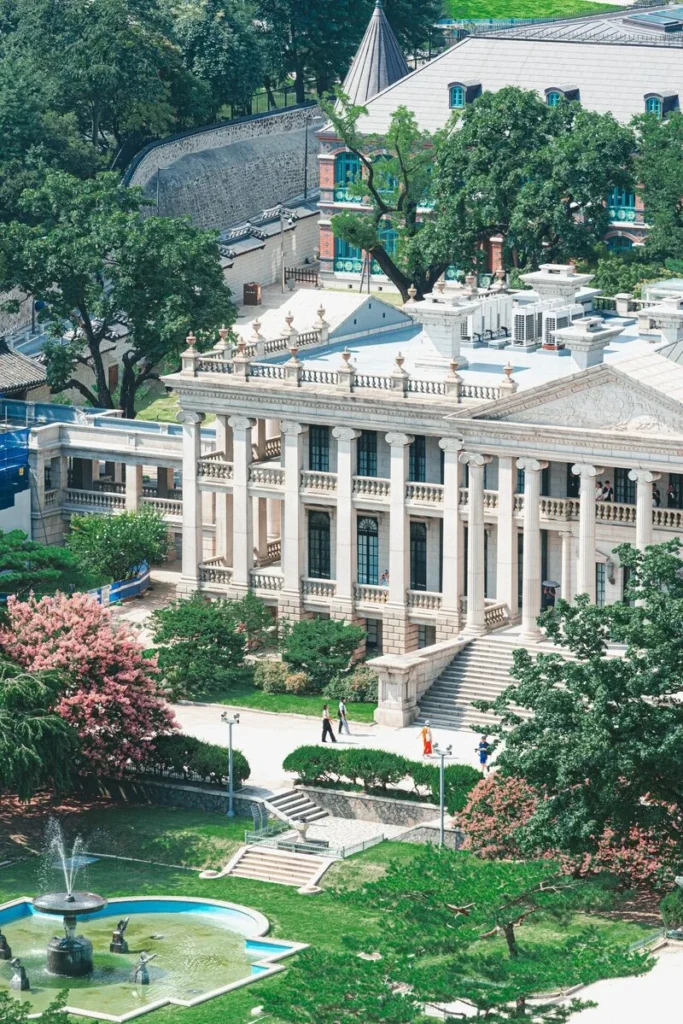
[(671, 909), (379, 770), (184, 757)]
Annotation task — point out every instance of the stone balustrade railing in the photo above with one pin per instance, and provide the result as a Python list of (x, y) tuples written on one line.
[(424, 600), (267, 476), (556, 508), (214, 467), (314, 480), (671, 517), (370, 594), (431, 494), (110, 486), (266, 581), (95, 499), (496, 615), (51, 498), (318, 588), (614, 512), (371, 486), (167, 506), (273, 447), (213, 571)]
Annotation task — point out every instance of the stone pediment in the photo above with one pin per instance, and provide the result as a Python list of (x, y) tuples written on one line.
[(601, 398)]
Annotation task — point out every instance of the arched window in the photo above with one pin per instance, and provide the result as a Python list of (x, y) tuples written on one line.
[(619, 243), (385, 181), (553, 98), (347, 258), (367, 546), (319, 545), (622, 204), (347, 170), (653, 105), (457, 96), (388, 237)]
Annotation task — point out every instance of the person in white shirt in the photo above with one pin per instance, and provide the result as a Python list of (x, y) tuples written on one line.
[(343, 720), (327, 725)]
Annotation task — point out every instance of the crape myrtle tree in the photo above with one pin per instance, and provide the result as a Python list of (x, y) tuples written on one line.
[(602, 745), (395, 180), (101, 271)]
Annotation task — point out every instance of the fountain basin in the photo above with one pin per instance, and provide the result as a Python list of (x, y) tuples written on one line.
[(204, 948)]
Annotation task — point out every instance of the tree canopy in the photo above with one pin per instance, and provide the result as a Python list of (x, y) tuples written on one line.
[(115, 547), (659, 164), (602, 745), (27, 566), (103, 272)]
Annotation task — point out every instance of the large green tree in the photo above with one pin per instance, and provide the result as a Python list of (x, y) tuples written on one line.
[(602, 744), (102, 272), (28, 567), (659, 169), (37, 746), (115, 547)]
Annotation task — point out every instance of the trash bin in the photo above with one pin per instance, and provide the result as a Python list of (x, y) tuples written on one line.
[(252, 294)]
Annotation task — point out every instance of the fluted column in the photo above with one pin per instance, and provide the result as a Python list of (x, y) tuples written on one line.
[(506, 570), (567, 577), (475, 540), (192, 505), (531, 567), (452, 554), (346, 516), (242, 506), (272, 431), (585, 581), (293, 532), (223, 544), (399, 523), (644, 480)]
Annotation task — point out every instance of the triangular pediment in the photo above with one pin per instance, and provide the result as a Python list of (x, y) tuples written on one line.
[(602, 398)]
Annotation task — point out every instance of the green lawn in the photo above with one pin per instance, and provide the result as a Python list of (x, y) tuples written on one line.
[(246, 696), (196, 839), (476, 9)]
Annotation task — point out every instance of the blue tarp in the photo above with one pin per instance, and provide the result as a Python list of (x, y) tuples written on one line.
[(14, 475), (122, 589)]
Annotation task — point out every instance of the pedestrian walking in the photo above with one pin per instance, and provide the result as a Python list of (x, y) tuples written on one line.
[(426, 734), (343, 720), (327, 725), (483, 751)]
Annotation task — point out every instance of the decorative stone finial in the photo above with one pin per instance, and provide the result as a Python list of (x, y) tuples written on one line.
[(190, 340), (289, 320), (242, 346), (440, 285), (508, 386), (256, 329), (321, 312), (412, 292), (400, 360), (346, 356), (294, 352), (453, 367), (223, 333)]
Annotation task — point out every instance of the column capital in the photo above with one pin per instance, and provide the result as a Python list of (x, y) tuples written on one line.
[(475, 459), (644, 476), (453, 445), (345, 433), (241, 423), (290, 427), (187, 416), (585, 469), (531, 465), (565, 533), (397, 440)]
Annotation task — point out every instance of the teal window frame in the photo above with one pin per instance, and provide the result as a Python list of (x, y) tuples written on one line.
[(347, 170), (553, 98), (367, 551), (654, 105), (347, 258), (457, 97)]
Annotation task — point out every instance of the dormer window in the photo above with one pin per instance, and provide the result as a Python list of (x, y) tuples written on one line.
[(553, 97), (457, 97), (660, 103), (653, 105), (462, 93), (561, 92)]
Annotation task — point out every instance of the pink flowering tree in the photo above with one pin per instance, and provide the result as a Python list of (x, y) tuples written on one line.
[(110, 693), (496, 809)]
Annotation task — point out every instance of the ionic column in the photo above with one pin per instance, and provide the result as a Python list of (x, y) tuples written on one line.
[(452, 554), (242, 519), (585, 582), (346, 517), (475, 540), (399, 523), (133, 487), (223, 499), (293, 533), (273, 430), (260, 440), (192, 505), (566, 579), (644, 480), (261, 521), (506, 569), (531, 567)]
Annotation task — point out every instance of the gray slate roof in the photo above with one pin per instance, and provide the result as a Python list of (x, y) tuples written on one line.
[(18, 372), (379, 60)]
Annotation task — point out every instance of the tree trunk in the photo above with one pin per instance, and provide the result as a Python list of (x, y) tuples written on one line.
[(509, 932), (300, 84), (520, 1005), (268, 86), (128, 392)]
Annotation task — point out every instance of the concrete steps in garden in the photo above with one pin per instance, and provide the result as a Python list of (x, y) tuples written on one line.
[(293, 806), (265, 864)]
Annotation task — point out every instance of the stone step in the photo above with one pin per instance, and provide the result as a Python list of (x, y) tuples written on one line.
[(297, 807), (267, 865)]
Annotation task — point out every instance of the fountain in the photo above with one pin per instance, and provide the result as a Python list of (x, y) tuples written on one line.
[(118, 943), (69, 955), (19, 979), (5, 950), (140, 975)]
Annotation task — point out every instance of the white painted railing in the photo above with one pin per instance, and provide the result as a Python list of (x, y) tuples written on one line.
[(425, 600), (557, 508), (428, 494), (212, 571), (266, 581), (95, 499), (167, 506), (496, 615), (371, 486), (613, 512), (312, 480), (267, 476), (371, 594), (671, 517), (318, 588), (214, 467)]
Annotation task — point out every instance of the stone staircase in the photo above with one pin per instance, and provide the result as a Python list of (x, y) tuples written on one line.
[(293, 806), (266, 864), (481, 671)]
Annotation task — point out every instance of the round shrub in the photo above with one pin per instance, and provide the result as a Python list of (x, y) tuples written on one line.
[(374, 769), (190, 758), (359, 686), (671, 908), (459, 780), (270, 676), (314, 764), (296, 682)]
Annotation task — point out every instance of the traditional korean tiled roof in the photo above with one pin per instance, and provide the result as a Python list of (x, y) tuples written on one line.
[(379, 60), (17, 372)]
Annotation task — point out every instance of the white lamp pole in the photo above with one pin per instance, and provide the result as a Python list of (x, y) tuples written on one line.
[(442, 755), (225, 717)]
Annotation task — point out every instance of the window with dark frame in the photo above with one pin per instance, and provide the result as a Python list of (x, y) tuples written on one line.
[(367, 548), (319, 449), (418, 556), (417, 460), (319, 545), (367, 453)]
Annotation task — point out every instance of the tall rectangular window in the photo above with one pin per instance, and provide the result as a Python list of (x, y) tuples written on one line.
[(319, 545), (418, 556), (417, 460), (367, 547), (624, 489), (319, 449), (600, 580), (573, 482), (367, 453), (520, 481)]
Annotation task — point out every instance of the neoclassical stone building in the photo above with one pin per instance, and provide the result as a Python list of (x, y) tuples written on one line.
[(429, 478)]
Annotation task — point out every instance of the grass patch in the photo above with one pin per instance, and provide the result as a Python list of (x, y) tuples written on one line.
[(153, 403), (477, 9)]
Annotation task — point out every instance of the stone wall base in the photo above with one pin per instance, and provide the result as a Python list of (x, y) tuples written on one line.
[(291, 607), (447, 626), (399, 635), (390, 810), (165, 793)]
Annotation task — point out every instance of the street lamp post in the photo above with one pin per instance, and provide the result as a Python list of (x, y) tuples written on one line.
[(225, 717), (442, 755)]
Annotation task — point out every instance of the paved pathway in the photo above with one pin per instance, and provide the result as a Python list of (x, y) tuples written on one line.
[(265, 739), (350, 831)]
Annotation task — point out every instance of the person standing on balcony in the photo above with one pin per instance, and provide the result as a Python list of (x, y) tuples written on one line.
[(671, 496), (598, 490), (656, 497), (327, 725), (607, 491)]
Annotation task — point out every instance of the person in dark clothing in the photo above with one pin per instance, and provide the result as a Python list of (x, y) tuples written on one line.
[(327, 725), (656, 497), (671, 497)]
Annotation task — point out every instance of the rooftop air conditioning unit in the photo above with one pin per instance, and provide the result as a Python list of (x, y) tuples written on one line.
[(554, 320), (527, 329)]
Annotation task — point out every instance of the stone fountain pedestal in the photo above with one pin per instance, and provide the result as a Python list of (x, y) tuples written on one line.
[(69, 955)]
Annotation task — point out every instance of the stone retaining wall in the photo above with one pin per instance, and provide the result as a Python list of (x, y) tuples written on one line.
[(388, 810), (167, 793), (404, 678), (453, 837)]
